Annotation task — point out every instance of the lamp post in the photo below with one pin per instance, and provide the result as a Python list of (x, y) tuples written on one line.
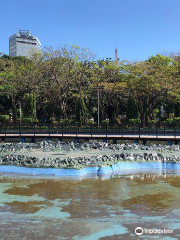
[(98, 97)]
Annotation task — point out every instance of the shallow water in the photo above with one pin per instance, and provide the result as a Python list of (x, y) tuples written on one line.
[(80, 209)]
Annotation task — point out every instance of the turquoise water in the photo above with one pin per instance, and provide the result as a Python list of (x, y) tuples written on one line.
[(90, 208)]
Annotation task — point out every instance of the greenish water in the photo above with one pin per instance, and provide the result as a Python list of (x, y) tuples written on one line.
[(80, 209)]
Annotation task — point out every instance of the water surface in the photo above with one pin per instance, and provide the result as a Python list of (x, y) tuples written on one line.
[(90, 208)]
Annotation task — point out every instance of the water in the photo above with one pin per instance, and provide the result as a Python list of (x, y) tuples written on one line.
[(89, 209)]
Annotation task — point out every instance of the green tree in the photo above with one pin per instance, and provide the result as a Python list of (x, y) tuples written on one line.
[(150, 82)]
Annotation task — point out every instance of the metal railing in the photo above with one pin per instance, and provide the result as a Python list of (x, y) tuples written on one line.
[(77, 129)]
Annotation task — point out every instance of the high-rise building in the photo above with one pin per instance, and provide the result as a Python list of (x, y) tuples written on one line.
[(23, 43)]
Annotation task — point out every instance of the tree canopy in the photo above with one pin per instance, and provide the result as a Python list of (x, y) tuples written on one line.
[(61, 85)]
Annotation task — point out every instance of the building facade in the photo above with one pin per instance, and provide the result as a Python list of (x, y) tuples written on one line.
[(23, 44)]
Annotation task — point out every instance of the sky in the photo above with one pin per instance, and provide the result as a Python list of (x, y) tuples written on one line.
[(138, 28)]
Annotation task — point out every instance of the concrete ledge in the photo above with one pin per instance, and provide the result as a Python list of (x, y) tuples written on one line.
[(104, 170)]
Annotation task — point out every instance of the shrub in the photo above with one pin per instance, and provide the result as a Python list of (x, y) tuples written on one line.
[(90, 123), (30, 120), (35, 120), (105, 123), (53, 120), (27, 120), (152, 122), (170, 121), (66, 121), (4, 118), (134, 121), (177, 119)]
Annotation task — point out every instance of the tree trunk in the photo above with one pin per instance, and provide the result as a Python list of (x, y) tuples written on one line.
[(14, 110), (111, 114), (143, 118), (63, 110)]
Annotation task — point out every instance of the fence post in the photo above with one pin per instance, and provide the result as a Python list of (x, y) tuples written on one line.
[(20, 129), (49, 129), (175, 132), (34, 129), (156, 130), (91, 130), (106, 130), (77, 130), (62, 129), (139, 131)]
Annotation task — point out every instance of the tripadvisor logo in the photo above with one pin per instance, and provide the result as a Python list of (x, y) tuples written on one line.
[(139, 231)]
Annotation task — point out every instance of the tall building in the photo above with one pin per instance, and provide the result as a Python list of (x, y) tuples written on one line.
[(23, 43)]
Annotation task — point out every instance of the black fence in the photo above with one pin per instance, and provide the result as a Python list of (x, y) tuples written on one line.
[(77, 129)]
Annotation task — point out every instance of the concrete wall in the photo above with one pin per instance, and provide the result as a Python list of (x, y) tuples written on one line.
[(104, 170)]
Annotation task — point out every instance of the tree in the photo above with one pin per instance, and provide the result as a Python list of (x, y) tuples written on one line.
[(150, 82), (18, 76)]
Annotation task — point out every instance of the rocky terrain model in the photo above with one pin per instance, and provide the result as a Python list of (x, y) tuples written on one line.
[(17, 154)]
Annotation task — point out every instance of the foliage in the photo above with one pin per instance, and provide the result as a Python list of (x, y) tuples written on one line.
[(152, 122), (63, 86), (134, 121), (170, 121), (105, 123), (29, 120), (66, 121), (4, 118), (90, 123)]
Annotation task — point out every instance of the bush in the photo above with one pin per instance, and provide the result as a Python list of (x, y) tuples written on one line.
[(134, 121), (66, 121), (53, 120), (35, 120), (27, 120), (152, 122), (105, 123), (30, 120), (90, 123), (170, 121), (177, 119), (4, 118)]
